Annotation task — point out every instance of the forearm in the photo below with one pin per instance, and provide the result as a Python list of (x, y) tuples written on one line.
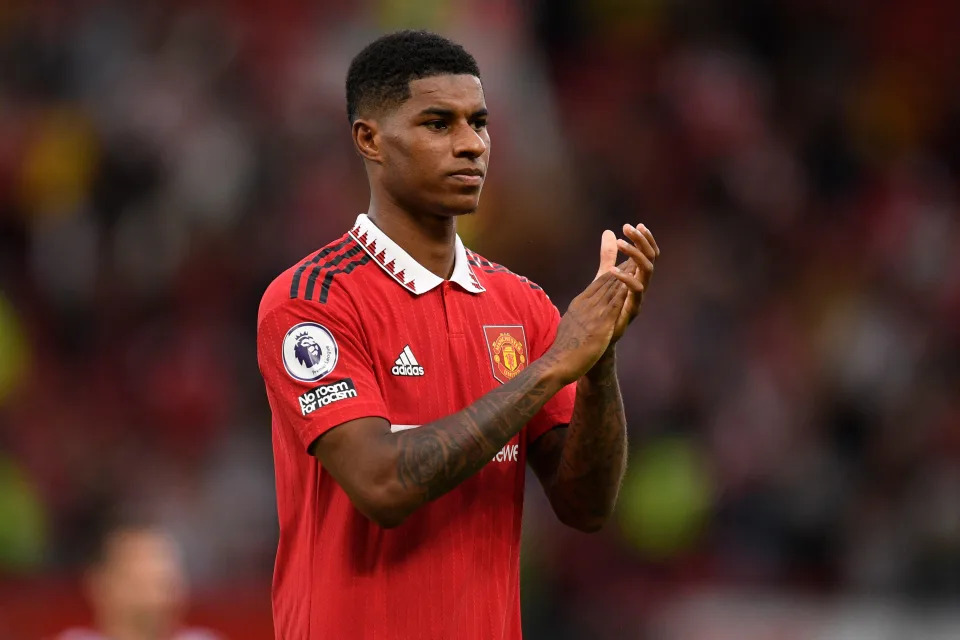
[(593, 460), (433, 459)]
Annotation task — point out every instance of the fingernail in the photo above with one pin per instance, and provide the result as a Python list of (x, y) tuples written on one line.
[(622, 242), (629, 227)]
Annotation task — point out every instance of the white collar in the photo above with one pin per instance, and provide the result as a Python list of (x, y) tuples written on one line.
[(400, 266)]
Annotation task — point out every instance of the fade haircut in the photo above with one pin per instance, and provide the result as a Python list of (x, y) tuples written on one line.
[(380, 75)]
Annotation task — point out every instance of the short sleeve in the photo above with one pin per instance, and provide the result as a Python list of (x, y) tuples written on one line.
[(316, 367), (559, 409)]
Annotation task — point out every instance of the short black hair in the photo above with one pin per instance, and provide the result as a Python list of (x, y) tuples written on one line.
[(380, 75), (106, 530)]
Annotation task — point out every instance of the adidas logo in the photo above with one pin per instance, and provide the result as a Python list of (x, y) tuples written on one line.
[(406, 364)]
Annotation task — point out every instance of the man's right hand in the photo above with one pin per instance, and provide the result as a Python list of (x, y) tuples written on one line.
[(587, 327)]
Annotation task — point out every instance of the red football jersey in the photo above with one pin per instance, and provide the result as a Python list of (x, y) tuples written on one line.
[(361, 329)]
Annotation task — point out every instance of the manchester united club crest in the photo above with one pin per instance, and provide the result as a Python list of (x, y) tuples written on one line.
[(507, 346)]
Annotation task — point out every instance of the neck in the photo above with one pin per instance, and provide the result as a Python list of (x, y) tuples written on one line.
[(125, 632), (120, 627), (429, 239)]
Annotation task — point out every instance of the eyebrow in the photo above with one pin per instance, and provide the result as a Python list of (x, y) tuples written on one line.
[(449, 113)]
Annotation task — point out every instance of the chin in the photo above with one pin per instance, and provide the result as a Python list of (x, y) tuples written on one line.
[(462, 211), (467, 210), (465, 203), (460, 207)]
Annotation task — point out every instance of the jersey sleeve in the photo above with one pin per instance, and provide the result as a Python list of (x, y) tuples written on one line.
[(559, 409), (316, 367)]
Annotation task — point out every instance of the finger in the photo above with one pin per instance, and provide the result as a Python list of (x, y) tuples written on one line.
[(640, 240), (597, 286), (613, 307), (597, 291), (610, 293), (632, 282), (631, 306), (620, 298), (637, 256), (608, 252), (649, 235), (627, 266), (641, 266)]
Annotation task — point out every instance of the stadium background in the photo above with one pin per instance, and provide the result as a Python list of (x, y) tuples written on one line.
[(793, 383)]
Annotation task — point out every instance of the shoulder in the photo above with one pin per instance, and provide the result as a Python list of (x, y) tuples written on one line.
[(197, 634), (312, 278), (524, 295), (498, 275), (79, 634), (522, 291)]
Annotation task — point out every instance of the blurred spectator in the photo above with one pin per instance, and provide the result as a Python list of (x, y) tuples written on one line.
[(137, 589)]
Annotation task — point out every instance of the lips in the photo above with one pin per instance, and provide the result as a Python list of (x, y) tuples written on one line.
[(471, 176), (468, 172)]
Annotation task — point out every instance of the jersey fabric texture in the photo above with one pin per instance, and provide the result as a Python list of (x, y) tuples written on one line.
[(361, 329)]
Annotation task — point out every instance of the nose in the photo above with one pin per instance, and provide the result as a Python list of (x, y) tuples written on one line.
[(469, 143)]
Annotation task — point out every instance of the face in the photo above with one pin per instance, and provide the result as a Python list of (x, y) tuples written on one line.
[(430, 154), (140, 584)]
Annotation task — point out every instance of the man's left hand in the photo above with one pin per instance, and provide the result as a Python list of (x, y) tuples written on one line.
[(642, 252)]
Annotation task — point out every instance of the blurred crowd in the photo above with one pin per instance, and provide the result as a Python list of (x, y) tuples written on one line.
[(792, 384)]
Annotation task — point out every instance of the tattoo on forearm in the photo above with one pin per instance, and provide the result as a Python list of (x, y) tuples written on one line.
[(435, 458), (593, 456)]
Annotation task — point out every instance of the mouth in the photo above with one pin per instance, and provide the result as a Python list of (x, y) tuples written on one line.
[(470, 176)]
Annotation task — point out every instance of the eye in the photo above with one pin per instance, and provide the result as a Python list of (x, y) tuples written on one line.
[(435, 125), (480, 123)]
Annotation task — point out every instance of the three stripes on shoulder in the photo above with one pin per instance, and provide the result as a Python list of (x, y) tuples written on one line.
[(339, 263)]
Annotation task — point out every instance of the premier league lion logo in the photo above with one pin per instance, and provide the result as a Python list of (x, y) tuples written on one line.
[(309, 351)]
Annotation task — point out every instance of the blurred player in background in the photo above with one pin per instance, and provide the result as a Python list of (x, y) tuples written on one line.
[(137, 589), (411, 380)]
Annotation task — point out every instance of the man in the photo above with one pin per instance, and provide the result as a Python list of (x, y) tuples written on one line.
[(400, 445), (137, 589)]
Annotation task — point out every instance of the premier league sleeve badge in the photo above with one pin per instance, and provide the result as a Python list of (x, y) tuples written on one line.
[(309, 352)]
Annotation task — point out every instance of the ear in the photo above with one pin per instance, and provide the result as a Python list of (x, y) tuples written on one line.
[(366, 138)]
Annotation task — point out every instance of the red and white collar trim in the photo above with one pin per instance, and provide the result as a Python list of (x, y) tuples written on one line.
[(400, 266)]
